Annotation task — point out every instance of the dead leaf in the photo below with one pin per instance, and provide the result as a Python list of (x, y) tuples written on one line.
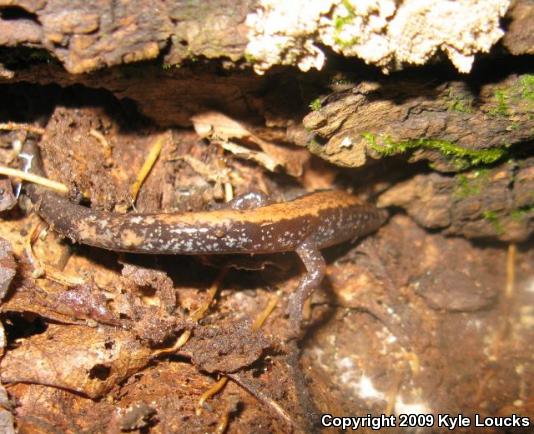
[(262, 158), (43, 409), (90, 361), (7, 421), (8, 266), (220, 128)]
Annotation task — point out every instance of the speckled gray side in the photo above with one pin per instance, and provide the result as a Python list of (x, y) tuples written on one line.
[(234, 232)]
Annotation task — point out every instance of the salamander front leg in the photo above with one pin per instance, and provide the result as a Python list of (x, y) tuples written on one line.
[(313, 260)]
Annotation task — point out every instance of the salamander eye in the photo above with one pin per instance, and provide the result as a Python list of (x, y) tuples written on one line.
[(219, 233)]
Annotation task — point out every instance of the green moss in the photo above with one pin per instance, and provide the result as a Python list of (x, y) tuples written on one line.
[(518, 214), (346, 43), (463, 188), (521, 213), (472, 185), (491, 217), (339, 24), (506, 99), (526, 83), (342, 21), (501, 105), (459, 103), (514, 125), (316, 104), (482, 175), (462, 158), (460, 106), (249, 58)]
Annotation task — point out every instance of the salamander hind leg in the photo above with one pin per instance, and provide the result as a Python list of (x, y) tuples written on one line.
[(313, 260)]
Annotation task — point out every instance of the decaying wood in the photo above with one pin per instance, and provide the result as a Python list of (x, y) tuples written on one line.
[(98, 356), (481, 203), (519, 38), (169, 97), (8, 267), (85, 36), (424, 120)]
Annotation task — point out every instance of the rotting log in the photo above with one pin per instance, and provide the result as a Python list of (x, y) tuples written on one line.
[(481, 203), (85, 36), (519, 37), (406, 287), (168, 97), (449, 124)]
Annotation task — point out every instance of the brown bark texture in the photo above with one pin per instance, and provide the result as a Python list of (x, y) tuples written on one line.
[(85, 36), (432, 313)]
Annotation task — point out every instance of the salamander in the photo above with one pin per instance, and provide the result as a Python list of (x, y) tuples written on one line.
[(251, 224)]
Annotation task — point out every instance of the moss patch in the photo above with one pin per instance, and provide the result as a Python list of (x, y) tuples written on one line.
[(316, 104), (250, 58), (504, 99), (526, 83), (460, 157), (501, 104), (339, 24), (459, 103), (472, 185), (491, 217), (520, 214)]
